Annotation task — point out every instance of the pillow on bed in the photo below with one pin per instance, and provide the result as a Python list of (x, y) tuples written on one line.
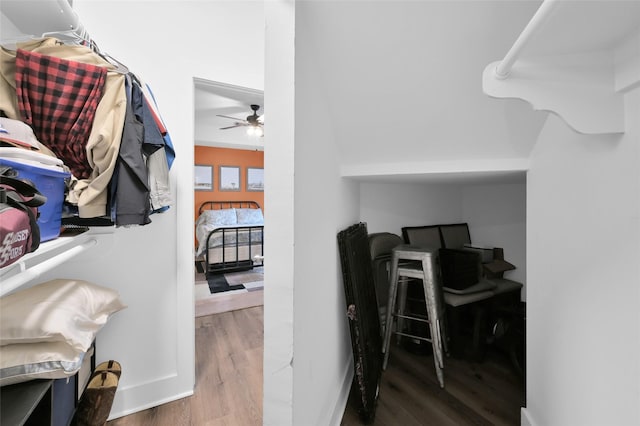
[(60, 310), (249, 216), (45, 360), (221, 217)]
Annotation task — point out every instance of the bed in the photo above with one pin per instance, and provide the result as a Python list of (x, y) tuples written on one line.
[(229, 236)]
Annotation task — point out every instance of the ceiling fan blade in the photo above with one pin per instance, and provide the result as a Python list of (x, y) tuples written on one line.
[(231, 127), (232, 118)]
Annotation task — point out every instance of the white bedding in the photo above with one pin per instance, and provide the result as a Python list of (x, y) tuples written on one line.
[(231, 218), (203, 230)]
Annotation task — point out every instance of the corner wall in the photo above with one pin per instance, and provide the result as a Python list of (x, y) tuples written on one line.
[(583, 328)]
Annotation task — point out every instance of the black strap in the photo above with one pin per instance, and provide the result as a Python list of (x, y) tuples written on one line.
[(35, 197)]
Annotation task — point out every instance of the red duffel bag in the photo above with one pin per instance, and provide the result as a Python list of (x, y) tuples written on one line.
[(19, 230)]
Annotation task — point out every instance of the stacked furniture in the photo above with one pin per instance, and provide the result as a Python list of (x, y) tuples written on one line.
[(473, 283), (419, 263)]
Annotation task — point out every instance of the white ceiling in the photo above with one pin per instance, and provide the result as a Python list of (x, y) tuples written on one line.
[(212, 98)]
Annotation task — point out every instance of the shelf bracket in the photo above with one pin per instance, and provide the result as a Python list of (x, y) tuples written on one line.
[(578, 87)]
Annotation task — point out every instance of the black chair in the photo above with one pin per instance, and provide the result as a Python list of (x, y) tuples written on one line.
[(423, 236), (455, 235)]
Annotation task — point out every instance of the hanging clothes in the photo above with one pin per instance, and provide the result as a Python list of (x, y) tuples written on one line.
[(58, 99), (89, 195), (125, 175), (159, 160), (170, 151), (130, 185)]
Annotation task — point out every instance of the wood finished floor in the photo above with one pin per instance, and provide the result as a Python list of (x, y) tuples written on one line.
[(228, 391), (486, 393)]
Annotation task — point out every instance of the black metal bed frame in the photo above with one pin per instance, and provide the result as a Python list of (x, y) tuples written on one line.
[(236, 265)]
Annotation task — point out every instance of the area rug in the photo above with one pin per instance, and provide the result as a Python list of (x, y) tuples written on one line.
[(219, 283), (233, 282)]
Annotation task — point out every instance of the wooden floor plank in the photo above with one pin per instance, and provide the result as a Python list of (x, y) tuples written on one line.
[(228, 388), (229, 377), (229, 302), (485, 393)]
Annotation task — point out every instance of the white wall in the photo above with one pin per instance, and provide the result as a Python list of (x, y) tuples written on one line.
[(324, 205), (387, 207), (279, 214), (496, 215), (166, 43), (582, 256)]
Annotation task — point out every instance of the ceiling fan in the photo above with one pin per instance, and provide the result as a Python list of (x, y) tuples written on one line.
[(253, 122)]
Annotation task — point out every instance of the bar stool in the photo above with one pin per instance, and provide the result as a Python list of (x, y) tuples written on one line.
[(409, 261)]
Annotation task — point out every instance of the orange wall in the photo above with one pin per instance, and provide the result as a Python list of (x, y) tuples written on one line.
[(209, 156)]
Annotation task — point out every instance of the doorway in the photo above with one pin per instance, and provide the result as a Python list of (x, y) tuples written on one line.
[(229, 153)]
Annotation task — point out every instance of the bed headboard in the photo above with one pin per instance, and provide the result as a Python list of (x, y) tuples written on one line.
[(219, 205)]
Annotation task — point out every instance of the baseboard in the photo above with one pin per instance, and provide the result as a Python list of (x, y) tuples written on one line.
[(133, 399), (525, 418), (343, 394)]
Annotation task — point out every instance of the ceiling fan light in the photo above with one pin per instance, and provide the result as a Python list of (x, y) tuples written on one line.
[(255, 131)]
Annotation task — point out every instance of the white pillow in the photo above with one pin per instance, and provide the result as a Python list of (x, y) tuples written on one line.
[(250, 216), (60, 310), (220, 217), (45, 360), (202, 219)]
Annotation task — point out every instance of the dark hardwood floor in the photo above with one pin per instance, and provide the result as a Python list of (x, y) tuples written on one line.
[(229, 351), (475, 393)]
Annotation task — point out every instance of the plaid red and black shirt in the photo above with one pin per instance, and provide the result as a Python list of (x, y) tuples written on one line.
[(58, 99)]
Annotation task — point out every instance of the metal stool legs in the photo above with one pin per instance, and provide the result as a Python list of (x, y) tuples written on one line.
[(400, 273)]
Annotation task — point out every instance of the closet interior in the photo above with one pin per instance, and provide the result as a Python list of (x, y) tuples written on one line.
[(86, 131)]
